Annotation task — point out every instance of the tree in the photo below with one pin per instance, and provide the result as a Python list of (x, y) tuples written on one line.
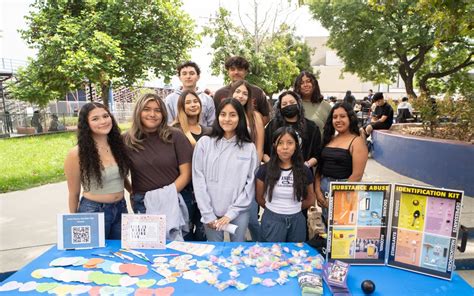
[(99, 41), (275, 57), (378, 40)]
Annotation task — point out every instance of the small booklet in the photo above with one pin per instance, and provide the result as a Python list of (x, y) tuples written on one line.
[(336, 273), (81, 231), (310, 284)]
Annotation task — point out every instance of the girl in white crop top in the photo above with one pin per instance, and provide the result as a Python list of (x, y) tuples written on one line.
[(99, 164)]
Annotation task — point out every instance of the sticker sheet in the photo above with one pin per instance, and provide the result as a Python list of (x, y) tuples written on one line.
[(424, 228), (358, 222)]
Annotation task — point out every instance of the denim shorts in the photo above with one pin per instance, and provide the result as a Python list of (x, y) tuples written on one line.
[(112, 215)]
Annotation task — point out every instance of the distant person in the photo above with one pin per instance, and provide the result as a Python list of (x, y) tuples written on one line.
[(189, 74), (55, 124), (99, 164), (8, 122), (315, 108), (382, 117), (350, 99), (370, 95), (332, 102), (36, 122), (404, 110), (237, 68)]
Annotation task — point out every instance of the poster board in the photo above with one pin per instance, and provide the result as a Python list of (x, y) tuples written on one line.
[(143, 231), (80, 231), (358, 222), (424, 228)]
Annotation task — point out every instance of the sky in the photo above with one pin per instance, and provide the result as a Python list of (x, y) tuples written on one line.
[(12, 14)]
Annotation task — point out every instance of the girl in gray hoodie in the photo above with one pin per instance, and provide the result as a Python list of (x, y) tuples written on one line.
[(223, 173)]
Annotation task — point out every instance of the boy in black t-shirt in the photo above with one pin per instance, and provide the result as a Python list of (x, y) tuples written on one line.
[(382, 117)]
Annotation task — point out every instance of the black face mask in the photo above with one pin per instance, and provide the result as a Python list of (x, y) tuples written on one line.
[(290, 111)]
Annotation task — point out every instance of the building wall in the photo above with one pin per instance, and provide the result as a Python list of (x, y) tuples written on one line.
[(333, 82)]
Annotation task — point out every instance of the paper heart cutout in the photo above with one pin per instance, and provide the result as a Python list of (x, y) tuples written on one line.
[(146, 283), (166, 291), (93, 262), (10, 286), (29, 286), (81, 289), (94, 291), (62, 290), (37, 274), (144, 292), (44, 287), (126, 281), (133, 269)]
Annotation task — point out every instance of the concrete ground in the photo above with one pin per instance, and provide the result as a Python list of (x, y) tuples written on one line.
[(28, 219)]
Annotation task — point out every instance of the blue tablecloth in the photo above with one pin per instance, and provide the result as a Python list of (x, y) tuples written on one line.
[(388, 280)]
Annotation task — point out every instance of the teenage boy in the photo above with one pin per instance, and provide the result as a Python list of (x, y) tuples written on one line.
[(382, 117), (188, 74), (237, 68)]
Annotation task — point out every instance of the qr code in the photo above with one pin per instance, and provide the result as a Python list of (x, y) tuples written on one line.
[(81, 234)]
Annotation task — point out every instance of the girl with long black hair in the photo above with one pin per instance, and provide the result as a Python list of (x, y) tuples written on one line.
[(284, 187), (99, 163)]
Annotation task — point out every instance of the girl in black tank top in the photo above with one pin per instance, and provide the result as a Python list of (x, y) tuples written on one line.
[(339, 163)]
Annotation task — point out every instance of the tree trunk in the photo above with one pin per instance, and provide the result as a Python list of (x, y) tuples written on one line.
[(407, 76), (104, 93)]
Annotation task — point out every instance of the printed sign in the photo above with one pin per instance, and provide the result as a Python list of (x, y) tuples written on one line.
[(81, 231), (358, 221), (424, 228), (143, 231)]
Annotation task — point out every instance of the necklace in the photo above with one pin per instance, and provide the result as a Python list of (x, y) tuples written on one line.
[(106, 149)]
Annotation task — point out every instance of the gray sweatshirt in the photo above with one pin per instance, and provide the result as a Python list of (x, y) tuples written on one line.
[(223, 177), (208, 112)]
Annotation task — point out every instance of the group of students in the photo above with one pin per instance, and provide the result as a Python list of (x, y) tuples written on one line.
[(221, 156)]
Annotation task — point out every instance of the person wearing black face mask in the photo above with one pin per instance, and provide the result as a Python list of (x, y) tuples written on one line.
[(289, 112)]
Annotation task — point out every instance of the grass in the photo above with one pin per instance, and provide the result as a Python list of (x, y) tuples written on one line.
[(32, 161), (27, 162)]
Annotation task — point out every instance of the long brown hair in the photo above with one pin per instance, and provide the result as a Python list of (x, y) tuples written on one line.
[(248, 107), (134, 137), (181, 120)]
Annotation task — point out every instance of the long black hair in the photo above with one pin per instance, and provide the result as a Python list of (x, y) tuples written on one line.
[(89, 161), (279, 119), (329, 129), (316, 96), (241, 130), (298, 167)]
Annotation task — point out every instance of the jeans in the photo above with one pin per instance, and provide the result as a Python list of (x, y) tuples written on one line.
[(196, 228), (283, 228), (112, 215), (138, 203), (325, 190), (241, 221), (254, 225)]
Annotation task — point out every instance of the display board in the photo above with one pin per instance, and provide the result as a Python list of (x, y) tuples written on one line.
[(358, 221), (424, 228)]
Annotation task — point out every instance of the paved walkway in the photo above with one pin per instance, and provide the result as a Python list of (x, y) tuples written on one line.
[(28, 219)]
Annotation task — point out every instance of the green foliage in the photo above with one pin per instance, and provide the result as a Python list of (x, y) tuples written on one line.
[(100, 41), (423, 41), (275, 59)]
